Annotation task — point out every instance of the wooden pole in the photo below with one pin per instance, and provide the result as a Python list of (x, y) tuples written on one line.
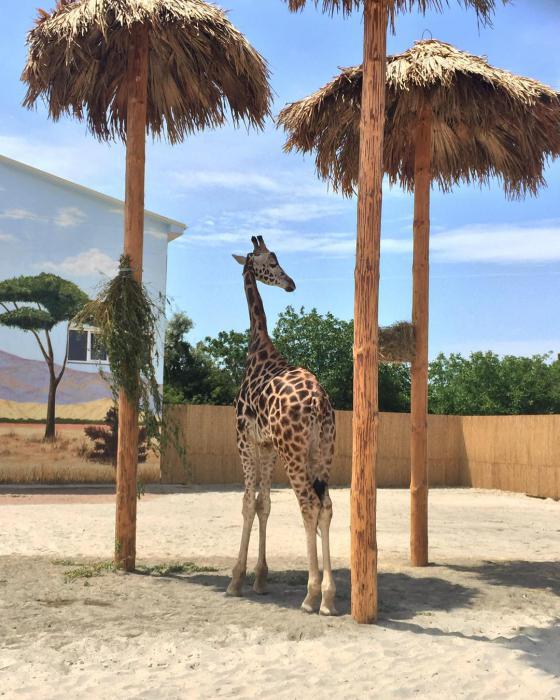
[(127, 450), (366, 418), (420, 313)]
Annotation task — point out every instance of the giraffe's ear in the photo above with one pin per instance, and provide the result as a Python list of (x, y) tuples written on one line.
[(241, 259)]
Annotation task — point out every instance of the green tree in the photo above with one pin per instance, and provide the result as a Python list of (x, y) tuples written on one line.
[(185, 374), (323, 344), (190, 374), (394, 387), (36, 305), (485, 384), (228, 352)]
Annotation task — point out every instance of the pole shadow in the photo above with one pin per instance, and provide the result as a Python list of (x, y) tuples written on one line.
[(401, 596)]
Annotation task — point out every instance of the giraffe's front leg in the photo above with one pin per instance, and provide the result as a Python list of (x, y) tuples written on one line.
[(261, 569), (267, 458), (247, 453), (240, 569)]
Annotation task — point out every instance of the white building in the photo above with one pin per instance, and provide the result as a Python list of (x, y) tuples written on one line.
[(48, 224)]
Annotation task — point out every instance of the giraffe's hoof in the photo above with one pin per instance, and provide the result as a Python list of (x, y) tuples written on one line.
[(328, 610), (310, 604), (234, 590), (327, 603), (260, 587)]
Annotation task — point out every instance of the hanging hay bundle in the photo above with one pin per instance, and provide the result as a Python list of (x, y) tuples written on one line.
[(487, 122), (396, 342)]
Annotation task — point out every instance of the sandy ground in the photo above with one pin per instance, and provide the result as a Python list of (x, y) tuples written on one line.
[(481, 622)]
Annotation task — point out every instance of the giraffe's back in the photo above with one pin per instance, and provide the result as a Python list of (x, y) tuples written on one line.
[(296, 416)]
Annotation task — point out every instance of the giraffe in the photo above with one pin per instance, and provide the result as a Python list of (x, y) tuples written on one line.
[(282, 410)]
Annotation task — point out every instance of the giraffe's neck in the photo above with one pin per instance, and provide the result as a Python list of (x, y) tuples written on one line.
[(259, 332)]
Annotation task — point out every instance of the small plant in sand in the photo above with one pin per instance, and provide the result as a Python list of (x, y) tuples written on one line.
[(187, 567), (85, 571), (94, 569)]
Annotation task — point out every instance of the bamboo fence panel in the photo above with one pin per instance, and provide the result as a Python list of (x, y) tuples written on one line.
[(510, 453)]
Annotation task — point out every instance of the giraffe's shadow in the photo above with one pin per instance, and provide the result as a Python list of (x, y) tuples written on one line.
[(401, 596)]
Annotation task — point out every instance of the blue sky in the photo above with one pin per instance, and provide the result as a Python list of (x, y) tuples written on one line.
[(495, 276)]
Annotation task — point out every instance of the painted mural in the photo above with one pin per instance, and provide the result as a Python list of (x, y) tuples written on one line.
[(51, 225)]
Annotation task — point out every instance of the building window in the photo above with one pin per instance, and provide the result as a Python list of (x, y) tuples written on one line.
[(84, 346)]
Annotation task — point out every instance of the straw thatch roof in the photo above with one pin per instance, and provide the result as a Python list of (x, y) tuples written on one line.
[(486, 122), (199, 64), (396, 342), (484, 8)]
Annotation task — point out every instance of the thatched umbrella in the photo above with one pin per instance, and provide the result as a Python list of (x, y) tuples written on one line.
[(450, 118), (366, 297), (128, 67)]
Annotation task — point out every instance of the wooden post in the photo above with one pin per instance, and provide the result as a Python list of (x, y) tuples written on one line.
[(420, 312), (366, 417), (127, 450)]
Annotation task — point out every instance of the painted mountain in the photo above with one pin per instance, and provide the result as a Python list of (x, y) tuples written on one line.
[(27, 381)]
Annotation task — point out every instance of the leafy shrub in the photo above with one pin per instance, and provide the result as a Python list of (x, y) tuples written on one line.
[(105, 440)]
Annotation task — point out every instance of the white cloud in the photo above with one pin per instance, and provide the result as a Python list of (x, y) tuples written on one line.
[(396, 245), (7, 237), (297, 211), (69, 216), (90, 263), (233, 180), (490, 243), (279, 239), (20, 215), (499, 243), (295, 186), (483, 243), (64, 217), (394, 191)]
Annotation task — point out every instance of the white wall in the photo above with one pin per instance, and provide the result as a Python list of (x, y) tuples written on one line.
[(46, 226)]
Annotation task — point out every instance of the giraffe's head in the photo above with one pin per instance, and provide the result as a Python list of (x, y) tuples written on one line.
[(264, 263)]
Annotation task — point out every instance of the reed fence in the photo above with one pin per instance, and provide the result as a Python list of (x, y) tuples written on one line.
[(510, 453)]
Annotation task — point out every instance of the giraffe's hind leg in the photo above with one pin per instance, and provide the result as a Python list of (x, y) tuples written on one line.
[(328, 587), (321, 450), (267, 457), (248, 460), (321, 455), (310, 506)]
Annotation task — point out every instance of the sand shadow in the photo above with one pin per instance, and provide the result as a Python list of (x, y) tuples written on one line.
[(400, 596), (543, 575), (540, 646)]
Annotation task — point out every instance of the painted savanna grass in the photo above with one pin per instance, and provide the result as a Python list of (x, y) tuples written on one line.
[(26, 459)]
